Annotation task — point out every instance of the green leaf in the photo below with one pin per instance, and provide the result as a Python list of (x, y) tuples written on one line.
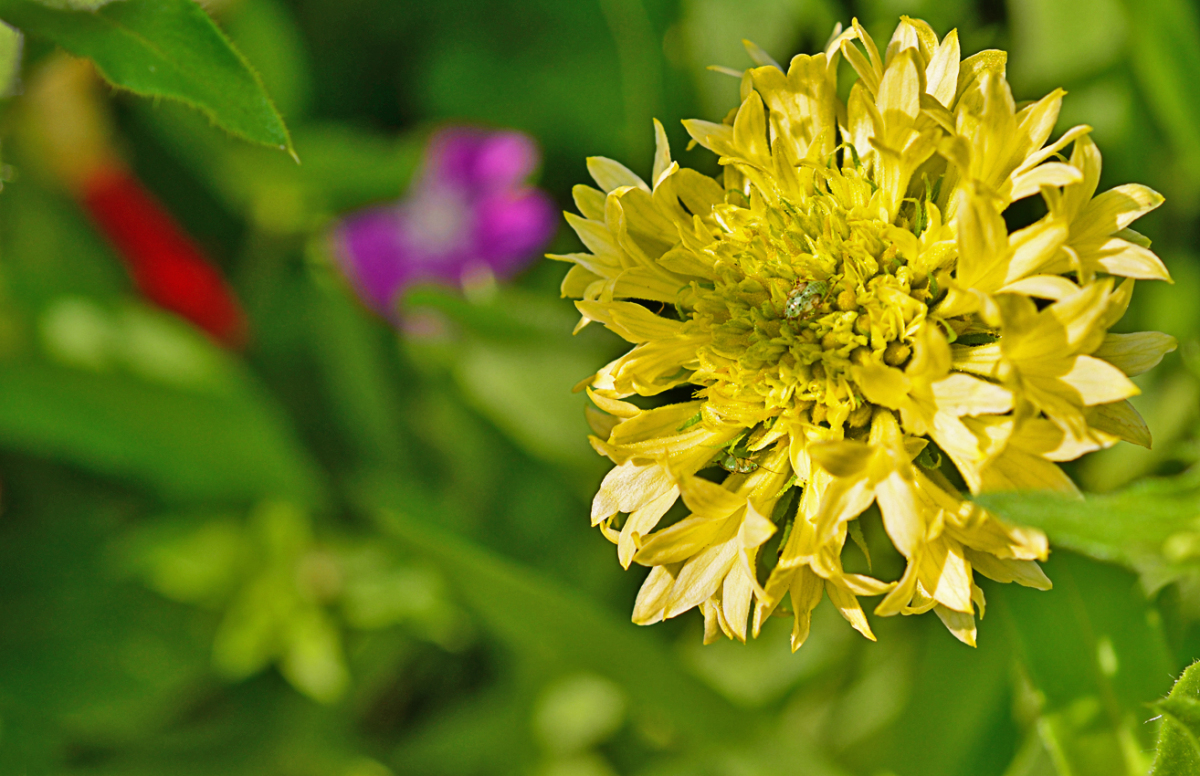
[(1179, 734), (163, 48), (344, 168), (10, 59), (180, 443), (516, 361), (1166, 58), (1094, 654), (1040, 59), (541, 618), (1151, 527)]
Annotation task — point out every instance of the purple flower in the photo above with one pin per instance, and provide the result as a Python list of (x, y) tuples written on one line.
[(469, 212)]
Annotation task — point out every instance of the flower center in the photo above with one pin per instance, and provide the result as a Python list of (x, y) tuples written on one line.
[(804, 289)]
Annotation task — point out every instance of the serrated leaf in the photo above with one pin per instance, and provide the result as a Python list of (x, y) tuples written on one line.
[(162, 48), (1179, 734)]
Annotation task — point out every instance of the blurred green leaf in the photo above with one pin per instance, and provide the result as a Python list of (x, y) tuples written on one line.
[(352, 355), (712, 32), (1179, 733), (541, 618), (344, 168), (577, 712), (946, 693), (1094, 652), (90, 658), (162, 48), (1043, 58), (182, 444), (10, 59), (1151, 527), (1166, 59), (513, 354), (266, 31)]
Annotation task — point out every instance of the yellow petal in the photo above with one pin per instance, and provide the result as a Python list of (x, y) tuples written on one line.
[(612, 175), (1023, 572), (941, 76), (628, 487), (848, 605), (805, 593), (961, 624), (1042, 287), (685, 539), (652, 597), (641, 522), (700, 577), (589, 201), (736, 594), (944, 571), (902, 516), (1099, 382), (961, 394), (1113, 210), (662, 153), (1124, 259), (1054, 174), (1018, 470)]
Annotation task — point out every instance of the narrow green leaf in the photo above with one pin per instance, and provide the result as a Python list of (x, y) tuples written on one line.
[(1151, 527), (180, 443), (1094, 654), (516, 362), (539, 616), (1179, 734), (1166, 58), (163, 48), (10, 59)]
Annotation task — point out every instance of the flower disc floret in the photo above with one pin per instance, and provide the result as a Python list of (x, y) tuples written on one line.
[(802, 291)]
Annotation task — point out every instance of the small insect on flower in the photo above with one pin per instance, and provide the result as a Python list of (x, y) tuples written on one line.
[(804, 297), (736, 464), (921, 348)]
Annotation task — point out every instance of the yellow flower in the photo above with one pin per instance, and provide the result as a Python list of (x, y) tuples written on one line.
[(844, 320)]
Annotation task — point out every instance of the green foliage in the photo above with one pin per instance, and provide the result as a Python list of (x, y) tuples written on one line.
[(1179, 732), (551, 622), (183, 444), (1150, 527), (11, 42), (1166, 56), (161, 48), (1092, 655)]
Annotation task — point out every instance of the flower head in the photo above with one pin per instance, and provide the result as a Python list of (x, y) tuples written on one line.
[(853, 324), (469, 212)]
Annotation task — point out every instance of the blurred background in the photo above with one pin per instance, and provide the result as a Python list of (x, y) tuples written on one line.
[(285, 530)]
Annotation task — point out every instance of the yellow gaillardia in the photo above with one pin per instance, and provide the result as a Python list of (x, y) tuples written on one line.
[(844, 307)]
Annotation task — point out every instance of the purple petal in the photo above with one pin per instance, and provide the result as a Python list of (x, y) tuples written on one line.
[(512, 227), (505, 160), (369, 246), (468, 212), (478, 161), (450, 158)]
